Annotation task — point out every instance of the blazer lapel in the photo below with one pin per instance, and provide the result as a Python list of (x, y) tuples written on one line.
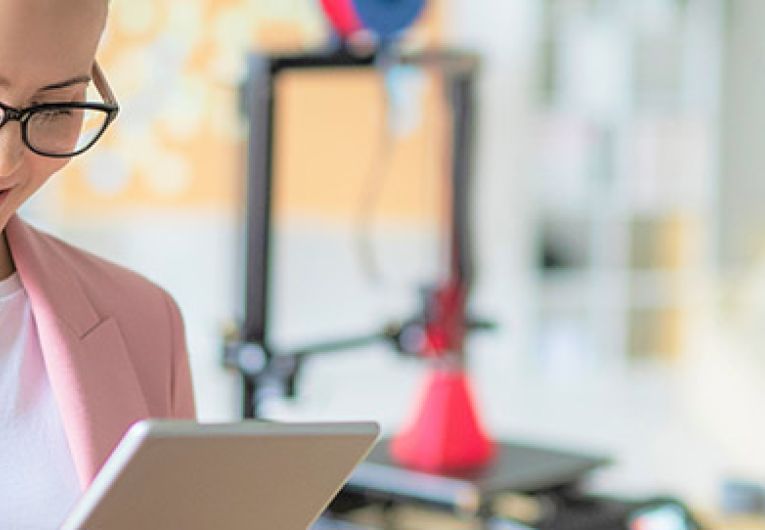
[(90, 372)]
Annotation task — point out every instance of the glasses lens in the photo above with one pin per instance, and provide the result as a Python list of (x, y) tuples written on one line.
[(65, 130)]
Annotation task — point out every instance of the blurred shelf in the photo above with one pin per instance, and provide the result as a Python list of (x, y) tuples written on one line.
[(624, 173)]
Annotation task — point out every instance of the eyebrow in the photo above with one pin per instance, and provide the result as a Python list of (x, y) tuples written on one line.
[(54, 86), (64, 84)]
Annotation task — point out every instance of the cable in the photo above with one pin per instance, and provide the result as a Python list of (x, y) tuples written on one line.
[(377, 174)]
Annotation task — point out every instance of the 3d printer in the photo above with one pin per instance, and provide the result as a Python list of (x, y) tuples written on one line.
[(445, 439)]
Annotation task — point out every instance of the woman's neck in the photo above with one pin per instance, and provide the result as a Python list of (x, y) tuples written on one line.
[(6, 261)]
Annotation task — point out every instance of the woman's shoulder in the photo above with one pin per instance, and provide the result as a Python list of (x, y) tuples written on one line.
[(110, 285), (125, 312)]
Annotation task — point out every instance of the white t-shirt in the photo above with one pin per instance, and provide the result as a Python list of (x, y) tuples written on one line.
[(38, 482)]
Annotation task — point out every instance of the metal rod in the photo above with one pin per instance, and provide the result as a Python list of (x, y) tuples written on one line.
[(462, 99), (260, 100)]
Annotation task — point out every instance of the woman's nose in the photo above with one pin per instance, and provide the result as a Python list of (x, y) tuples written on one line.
[(11, 148)]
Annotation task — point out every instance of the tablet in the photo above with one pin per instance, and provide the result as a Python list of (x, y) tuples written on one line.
[(169, 474)]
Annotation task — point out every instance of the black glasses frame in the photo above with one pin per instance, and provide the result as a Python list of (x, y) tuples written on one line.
[(110, 107)]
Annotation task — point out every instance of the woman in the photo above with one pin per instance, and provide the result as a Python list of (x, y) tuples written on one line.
[(86, 347)]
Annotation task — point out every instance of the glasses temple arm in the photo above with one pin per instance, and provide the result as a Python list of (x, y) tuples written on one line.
[(102, 86)]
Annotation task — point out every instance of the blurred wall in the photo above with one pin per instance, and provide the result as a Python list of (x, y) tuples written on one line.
[(742, 186)]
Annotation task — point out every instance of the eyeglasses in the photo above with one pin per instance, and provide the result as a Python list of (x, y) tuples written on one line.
[(63, 130)]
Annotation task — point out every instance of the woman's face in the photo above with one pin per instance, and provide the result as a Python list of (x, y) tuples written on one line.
[(47, 49)]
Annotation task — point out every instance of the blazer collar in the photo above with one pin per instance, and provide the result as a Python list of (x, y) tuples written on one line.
[(88, 366), (48, 280)]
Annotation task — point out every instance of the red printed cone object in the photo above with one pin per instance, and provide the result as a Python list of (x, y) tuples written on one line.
[(445, 434)]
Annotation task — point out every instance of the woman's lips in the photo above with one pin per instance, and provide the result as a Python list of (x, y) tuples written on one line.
[(3, 195)]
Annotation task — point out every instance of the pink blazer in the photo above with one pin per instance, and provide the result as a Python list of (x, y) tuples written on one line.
[(113, 343)]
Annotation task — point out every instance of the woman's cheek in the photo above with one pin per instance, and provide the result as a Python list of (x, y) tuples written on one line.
[(40, 170)]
